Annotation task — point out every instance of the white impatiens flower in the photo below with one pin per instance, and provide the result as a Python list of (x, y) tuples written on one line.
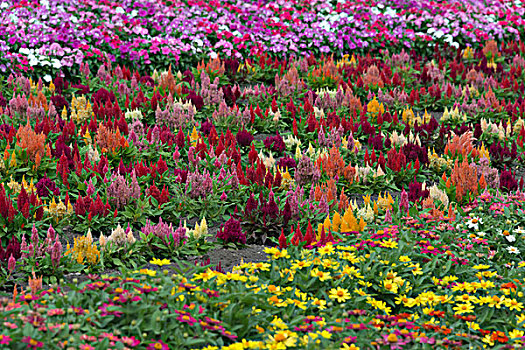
[(513, 250)]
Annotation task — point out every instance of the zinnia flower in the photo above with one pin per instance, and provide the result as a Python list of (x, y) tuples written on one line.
[(339, 294), (157, 345)]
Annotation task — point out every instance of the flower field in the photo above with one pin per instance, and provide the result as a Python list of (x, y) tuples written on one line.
[(262, 175)]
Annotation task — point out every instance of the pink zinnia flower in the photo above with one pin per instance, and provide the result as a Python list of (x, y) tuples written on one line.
[(5, 339), (158, 345), (186, 319), (130, 341), (32, 343)]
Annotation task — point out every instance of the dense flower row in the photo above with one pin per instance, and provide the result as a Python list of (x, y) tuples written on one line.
[(129, 157), (49, 35), (112, 168), (419, 281)]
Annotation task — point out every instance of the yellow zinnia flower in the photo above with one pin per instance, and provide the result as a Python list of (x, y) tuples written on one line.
[(322, 275), (339, 294)]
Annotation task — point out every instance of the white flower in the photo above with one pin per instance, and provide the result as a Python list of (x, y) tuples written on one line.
[(25, 51), (519, 231), (482, 234), (33, 61), (438, 34), (513, 250), (56, 63), (120, 10), (511, 238), (474, 223), (47, 78)]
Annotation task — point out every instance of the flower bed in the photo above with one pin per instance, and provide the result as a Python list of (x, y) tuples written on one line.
[(417, 282), (383, 186), (48, 36)]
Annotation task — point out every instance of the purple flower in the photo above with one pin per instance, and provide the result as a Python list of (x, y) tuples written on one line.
[(59, 102), (197, 100), (275, 143), (103, 95), (44, 186), (286, 163), (206, 127), (244, 138)]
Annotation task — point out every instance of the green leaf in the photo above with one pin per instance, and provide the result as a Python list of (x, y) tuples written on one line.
[(487, 315)]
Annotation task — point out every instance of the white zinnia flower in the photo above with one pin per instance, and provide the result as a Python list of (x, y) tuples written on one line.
[(474, 223), (513, 250)]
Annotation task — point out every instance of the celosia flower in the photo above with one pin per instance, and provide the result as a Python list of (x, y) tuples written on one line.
[(244, 138), (11, 263), (118, 236), (232, 232)]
